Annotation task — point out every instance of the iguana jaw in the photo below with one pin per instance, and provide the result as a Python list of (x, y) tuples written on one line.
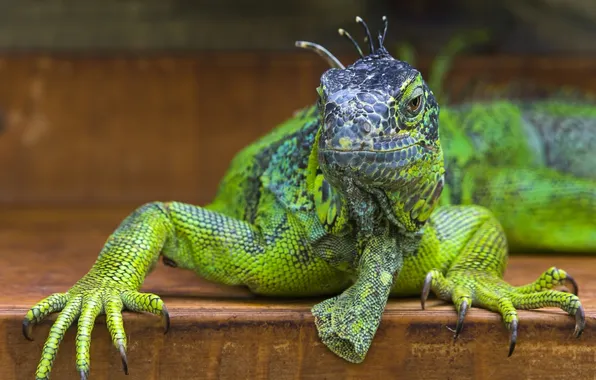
[(421, 144)]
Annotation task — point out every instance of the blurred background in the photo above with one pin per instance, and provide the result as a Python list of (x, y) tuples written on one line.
[(123, 102)]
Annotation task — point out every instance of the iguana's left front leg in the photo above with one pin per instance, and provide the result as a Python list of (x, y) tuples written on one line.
[(468, 248), (347, 323)]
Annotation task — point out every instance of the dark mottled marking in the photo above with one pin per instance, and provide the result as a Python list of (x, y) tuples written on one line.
[(169, 262), (411, 202), (325, 191)]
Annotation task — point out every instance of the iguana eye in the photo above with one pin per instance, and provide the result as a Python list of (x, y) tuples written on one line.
[(414, 104)]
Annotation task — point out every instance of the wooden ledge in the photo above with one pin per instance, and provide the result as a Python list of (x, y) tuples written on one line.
[(226, 333)]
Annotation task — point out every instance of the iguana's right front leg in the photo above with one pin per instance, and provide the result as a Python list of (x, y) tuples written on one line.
[(216, 246), (274, 258), (129, 254)]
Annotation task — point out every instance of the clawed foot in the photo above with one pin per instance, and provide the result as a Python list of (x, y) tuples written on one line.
[(464, 288), (85, 303)]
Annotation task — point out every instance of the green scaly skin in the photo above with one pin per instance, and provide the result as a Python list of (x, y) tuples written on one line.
[(523, 151), (340, 200), (531, 163)]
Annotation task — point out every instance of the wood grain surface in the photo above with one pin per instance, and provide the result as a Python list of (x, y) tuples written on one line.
[(221, 332)]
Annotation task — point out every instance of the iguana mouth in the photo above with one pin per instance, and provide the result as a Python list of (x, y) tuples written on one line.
[(367, 150), (421, 144), (379, 145)]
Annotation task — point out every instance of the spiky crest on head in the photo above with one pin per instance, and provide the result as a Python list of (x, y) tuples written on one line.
[(333, 61)]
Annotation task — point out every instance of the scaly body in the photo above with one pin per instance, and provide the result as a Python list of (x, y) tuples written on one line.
[(531, 163), (342, 201)]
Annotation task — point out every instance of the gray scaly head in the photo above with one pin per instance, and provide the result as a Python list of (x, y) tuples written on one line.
[(380, 132)]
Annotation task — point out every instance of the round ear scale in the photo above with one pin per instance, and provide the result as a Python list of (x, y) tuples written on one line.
[(321, 51)]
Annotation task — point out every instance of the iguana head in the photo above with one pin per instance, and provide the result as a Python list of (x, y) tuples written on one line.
[(379, 130)]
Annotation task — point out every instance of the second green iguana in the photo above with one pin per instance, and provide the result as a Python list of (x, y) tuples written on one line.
[(341, 201)]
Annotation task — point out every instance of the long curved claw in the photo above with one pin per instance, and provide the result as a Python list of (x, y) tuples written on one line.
[(572, 281), (513, 337), (124, 359), (113, 309), (166, 318), (42, 309), (426, 289), (463, 309), (542, 296), (580, 322), (90, 309), (552, 278), (27, 329)]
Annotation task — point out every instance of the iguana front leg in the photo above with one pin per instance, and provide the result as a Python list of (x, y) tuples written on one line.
[(347, 323), (111, 285), (129, 254), (464, 254), (217, 247)]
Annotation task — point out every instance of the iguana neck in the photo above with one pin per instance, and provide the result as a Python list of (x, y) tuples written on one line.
[(412, 203), (412, 209)]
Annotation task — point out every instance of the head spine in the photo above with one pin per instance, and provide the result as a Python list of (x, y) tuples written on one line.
[(343, 33), (368, 38), (320, 50), (382, 36), (332, 60)]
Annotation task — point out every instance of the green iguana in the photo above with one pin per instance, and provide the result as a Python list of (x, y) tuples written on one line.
[(341, 200)]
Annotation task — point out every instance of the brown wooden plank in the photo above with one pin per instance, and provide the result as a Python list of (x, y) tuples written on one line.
[(83, 130), (226, 333)]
